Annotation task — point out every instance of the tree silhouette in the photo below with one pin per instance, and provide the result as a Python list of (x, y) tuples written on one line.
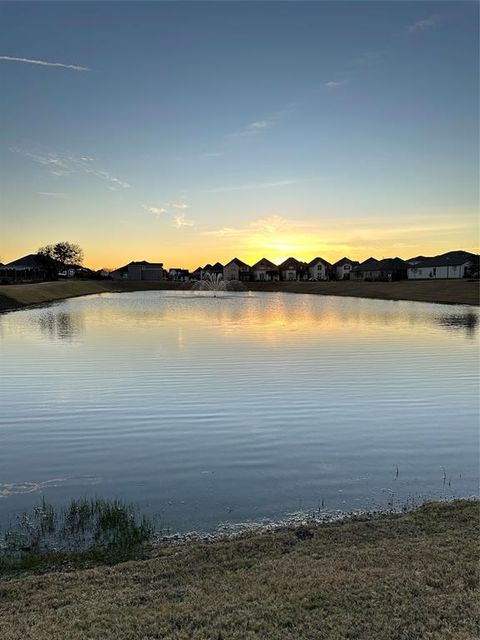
[(65, 253)]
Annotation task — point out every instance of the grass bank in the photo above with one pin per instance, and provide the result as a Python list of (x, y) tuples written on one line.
[(407, 577), (442, 291)]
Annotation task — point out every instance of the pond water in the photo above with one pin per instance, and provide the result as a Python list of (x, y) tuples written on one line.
[(204, 410)]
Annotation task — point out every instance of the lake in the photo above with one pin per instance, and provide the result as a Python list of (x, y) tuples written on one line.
[(205, 410)]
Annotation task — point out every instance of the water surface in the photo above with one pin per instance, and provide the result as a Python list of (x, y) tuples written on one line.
[(203, 410)]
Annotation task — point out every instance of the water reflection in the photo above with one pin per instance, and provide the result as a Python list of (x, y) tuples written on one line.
[(61, 325), (468, 322), (237, 407), (278, 314)]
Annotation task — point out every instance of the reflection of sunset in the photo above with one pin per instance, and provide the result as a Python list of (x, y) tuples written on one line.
[(253, 317)]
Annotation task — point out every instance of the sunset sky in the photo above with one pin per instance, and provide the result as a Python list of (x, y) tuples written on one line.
[(193, 132)]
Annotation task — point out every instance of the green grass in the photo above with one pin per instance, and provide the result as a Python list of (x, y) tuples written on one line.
[(397, 577)]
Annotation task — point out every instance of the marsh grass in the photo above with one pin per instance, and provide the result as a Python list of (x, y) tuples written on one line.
[(87, 530)]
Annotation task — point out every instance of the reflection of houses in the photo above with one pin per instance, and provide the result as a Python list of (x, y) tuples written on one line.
[(454, 264), (142, 270), (318, 269), (236, 270), (293, 269), (30, 268), (265, 270), (387, 270), (342, 268)]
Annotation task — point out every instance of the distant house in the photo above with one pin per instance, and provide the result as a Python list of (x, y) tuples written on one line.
[(31, 268), (236, 270), (386, 270), (318, 269), (366, 270), (179, 274), (451, 265), (141, 270), (213, 269), (76, 271), (293, 269), (342, 268), (265, 270)]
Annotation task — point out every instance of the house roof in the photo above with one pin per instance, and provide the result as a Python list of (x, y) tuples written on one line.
[(451, 258), (238, 262), (343, 261), (368, 265), (267, 263), (31, 261), (292, 263), (218, 266), (316, 260), (144, 263), (387, 264)]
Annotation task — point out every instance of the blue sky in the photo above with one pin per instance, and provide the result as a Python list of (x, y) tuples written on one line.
[(190, 132)]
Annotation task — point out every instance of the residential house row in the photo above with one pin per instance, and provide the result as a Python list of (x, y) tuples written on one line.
[(450, 265)]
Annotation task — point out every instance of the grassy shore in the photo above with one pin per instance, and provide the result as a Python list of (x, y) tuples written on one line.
[(443, 291), (407, 577)]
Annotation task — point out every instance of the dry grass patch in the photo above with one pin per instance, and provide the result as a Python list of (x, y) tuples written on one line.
[(407, 577)]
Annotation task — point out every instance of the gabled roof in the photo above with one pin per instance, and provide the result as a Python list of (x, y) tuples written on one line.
[(143, 263), (316, 260), (367, 265), (452, 258), (217, 266), (387, 264), (239, 263), (267, 263), (31, 261), (343, 261), (292, 263)]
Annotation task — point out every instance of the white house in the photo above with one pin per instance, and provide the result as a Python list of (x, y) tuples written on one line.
[(451, 265), (318, 269), (342, 268), (236, 270), (265, 270)]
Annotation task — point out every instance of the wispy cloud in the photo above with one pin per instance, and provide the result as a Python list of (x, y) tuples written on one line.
[(181, 221), (44, 63), (213, 154), (259, 185), (155, 210), (62, 164), (52, 194), (263, 226), (334, 84), (177, 205), (257, 126), (423, 25)]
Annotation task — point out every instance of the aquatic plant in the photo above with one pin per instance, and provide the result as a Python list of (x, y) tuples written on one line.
[(87, 527)]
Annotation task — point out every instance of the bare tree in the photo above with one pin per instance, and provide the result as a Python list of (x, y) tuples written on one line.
[(66, 253)]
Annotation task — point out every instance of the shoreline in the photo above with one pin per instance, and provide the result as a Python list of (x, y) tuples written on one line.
[(368, 578), (464, 292)]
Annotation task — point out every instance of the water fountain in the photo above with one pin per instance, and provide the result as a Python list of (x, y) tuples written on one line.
[(215, 283)]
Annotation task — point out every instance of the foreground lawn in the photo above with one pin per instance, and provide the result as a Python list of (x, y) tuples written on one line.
[(405, 577)]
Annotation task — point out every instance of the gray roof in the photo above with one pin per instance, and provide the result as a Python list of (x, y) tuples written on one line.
[(387, 264), (31, 261), (452, 258)]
